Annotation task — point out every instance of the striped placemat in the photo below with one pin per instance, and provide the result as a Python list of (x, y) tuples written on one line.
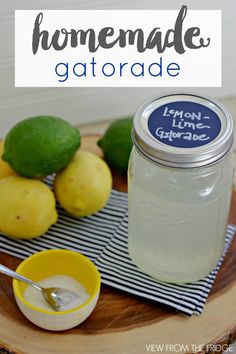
[(102, 237), (118, 270), (88, 235)]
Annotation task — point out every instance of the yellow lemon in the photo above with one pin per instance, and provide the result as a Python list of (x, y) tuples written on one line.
[(84, 186), (27, 207), (5, 168)]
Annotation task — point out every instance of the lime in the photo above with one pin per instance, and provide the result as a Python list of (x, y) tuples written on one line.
[(5, 168), (27, 207), (84, 186), (116, 144), (39, 146)]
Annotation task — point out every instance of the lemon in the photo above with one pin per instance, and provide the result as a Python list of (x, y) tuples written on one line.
[(84, 186), (5, 168), (27, 207), (116, 144), (40, 146)]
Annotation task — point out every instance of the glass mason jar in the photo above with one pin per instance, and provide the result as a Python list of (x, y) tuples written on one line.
[(180, 183)]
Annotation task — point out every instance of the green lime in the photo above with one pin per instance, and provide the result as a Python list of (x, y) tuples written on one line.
[(39, 146), (117, 144)]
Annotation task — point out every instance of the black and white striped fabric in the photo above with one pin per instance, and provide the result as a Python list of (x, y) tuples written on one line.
[(88, 235), (118, 270), (103, 238)]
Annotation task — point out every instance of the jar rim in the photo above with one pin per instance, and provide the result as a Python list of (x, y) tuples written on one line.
[(179, 167)]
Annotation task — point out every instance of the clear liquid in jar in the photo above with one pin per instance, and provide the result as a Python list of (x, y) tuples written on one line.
[(177, 220)]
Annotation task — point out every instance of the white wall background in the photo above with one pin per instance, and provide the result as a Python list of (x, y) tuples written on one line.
[(87, 105)]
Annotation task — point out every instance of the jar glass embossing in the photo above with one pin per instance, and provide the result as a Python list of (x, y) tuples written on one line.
[(180, 183)]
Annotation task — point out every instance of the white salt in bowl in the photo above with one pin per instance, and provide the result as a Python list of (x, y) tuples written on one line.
[(50, 263)]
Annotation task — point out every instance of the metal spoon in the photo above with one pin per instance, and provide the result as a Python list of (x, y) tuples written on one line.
[(55, 297)]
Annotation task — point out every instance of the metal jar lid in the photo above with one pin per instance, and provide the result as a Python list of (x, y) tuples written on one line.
[(183, 130)]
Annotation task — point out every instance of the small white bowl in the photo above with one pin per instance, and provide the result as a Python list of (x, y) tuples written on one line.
[(58, 262)]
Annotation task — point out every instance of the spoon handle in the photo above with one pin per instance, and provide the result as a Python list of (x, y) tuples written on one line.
[(15, 275)]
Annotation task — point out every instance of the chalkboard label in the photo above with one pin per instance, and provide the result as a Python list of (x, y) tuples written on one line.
[(184, 124)]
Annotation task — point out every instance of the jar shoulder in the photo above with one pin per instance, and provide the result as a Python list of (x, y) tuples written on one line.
[(205, 182)]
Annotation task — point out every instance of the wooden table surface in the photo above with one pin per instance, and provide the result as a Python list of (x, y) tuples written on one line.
[(123, 323)]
